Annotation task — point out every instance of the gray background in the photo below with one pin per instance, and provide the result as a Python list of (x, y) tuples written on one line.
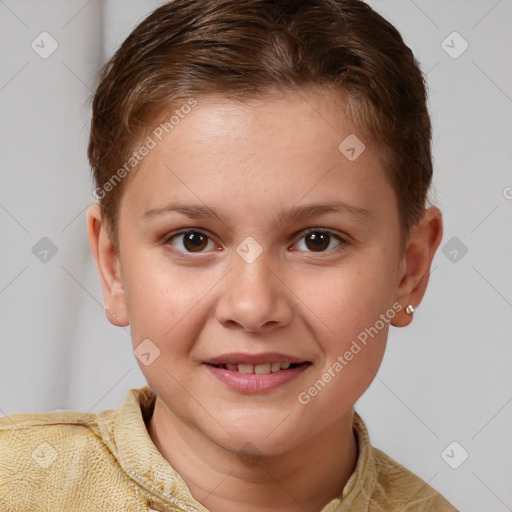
[(445, 378)]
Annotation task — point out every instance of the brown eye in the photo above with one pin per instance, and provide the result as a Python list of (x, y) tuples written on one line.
[(319, 241), (191, 241)]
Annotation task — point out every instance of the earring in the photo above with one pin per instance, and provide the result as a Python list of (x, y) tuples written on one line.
[(409, 309), (108, 312)]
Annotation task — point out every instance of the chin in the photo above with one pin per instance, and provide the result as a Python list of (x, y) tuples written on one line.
[(256, 439), (252, 448)]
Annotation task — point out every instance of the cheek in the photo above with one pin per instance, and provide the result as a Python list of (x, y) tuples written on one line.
[(350, 310), (347, 299), (160, 297), (355, 318)]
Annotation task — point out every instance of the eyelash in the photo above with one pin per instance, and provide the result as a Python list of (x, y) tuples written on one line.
[(302, 234)]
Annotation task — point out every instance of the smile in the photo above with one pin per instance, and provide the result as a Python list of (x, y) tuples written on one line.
[(258, 369), (256, 378)]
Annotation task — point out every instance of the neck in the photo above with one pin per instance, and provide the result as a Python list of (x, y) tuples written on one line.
[(305, 478)]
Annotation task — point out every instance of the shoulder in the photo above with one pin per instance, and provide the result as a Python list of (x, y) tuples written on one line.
[(398, 488), (30, 442), (45, 455), (61, 427)]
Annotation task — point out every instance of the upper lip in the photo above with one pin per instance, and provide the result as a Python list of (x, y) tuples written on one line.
[(263, 358)]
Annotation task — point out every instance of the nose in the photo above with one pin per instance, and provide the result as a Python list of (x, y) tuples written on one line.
[(255, 296)]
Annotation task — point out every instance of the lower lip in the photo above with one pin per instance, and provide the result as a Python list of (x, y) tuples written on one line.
[(252, 383)]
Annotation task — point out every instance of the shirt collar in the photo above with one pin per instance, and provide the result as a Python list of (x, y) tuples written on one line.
[(141, 460)]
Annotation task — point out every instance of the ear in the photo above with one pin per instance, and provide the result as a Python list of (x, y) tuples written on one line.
[(109, 268), (424, 239)]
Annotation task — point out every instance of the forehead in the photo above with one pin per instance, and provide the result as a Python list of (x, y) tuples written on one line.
[(285, 146)]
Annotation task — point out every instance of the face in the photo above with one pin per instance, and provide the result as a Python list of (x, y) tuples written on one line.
[(260, 267)]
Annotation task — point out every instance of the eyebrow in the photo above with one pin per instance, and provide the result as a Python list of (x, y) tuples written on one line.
[(193, 211)]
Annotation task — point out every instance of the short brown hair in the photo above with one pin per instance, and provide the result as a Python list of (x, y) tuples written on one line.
[(192, 48)]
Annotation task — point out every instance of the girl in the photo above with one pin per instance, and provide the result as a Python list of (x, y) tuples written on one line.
[(261, 170)]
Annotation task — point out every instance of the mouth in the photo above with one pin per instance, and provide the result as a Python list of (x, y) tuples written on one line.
[(256, 373), (258, 369)]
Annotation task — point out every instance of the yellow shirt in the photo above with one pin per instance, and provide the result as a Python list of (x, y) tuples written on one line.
[(87, 462)]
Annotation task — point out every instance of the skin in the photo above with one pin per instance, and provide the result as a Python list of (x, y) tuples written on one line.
[(250, 161)]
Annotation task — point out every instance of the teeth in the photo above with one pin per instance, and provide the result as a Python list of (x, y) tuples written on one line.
[(275, 367), (262, 369), (258, 369)]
